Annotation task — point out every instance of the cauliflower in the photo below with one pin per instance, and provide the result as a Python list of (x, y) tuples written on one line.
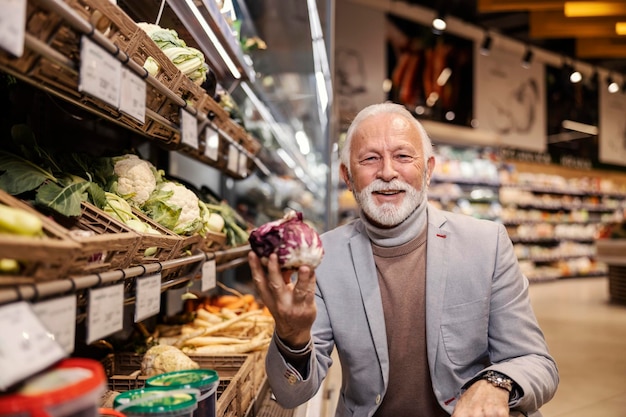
[(176, 207), (136, 179), (160, 359)]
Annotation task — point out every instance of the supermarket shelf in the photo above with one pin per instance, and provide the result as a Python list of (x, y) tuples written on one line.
[(225, 259), (68, 73)]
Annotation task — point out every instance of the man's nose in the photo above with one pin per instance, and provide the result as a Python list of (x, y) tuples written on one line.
[(387, 171)]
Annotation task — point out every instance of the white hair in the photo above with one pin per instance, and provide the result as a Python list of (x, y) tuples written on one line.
[(382, 108)]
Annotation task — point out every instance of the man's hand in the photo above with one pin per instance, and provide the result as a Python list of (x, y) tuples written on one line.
[(483, 400), (292, 304)]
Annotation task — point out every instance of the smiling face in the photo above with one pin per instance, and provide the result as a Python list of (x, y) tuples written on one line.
[(388, 172)]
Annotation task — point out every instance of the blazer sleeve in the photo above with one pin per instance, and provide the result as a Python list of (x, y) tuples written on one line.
[(516, 343)]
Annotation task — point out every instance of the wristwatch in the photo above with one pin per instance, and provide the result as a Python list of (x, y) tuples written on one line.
[(498, 380)]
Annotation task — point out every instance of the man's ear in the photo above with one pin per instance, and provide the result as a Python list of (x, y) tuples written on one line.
[(430, 164), (343, 170)]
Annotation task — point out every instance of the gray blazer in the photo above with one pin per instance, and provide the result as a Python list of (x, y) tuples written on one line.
[(478, 316)]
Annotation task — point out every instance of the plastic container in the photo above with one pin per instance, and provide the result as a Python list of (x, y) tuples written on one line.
[(109, 412), (157, 402), (204, 380), (70, 388)]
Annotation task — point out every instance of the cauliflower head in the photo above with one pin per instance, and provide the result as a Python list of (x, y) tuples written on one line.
[(176, 207), (136, 179)]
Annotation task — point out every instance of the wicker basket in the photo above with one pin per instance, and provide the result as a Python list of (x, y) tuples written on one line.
[(241, 378), (167, 243), (111, 246), (43, 259)]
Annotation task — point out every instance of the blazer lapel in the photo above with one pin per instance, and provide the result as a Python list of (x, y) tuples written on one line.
[(367, 279), (438, 244)]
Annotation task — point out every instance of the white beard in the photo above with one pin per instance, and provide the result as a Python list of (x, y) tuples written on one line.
[(389, 214)]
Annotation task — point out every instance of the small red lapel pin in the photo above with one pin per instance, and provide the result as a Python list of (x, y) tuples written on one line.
[(440, 235)]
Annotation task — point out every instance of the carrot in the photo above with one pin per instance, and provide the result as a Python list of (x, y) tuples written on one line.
[(224, 300)]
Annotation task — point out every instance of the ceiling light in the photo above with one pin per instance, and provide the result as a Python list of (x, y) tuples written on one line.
[(620, 28), (612, 86), (575, 76), (439, 23), (594, 8), (527, 58), (485, 47)]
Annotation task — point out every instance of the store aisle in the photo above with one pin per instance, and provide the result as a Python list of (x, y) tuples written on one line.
[(587, 336)]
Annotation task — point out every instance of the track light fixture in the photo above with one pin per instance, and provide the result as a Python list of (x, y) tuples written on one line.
[(574, 75), (485, 47), (439, 22), (611, 85), (527, 58)]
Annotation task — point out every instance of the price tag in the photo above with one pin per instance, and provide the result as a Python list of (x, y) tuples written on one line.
[(59, 317), (233, 158), (100, 73), (243, 165), (189, 129), (106, 311), (212, 141), (148, 297), (13, 26), (133, 95), (209, 276), (26, 346)]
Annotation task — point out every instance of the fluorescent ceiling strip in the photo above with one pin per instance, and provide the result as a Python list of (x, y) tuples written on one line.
[(213, 38), (580, 127)]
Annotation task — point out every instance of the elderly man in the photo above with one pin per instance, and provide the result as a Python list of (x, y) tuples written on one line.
[(428, 310)]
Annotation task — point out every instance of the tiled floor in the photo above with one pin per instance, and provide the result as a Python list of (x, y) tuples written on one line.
[(586, 335)]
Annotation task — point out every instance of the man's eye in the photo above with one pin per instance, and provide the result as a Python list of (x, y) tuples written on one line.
[(404, 158), (370, 159)]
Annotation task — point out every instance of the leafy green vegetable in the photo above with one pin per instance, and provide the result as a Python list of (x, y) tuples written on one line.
[(63, 199), (21, 175)]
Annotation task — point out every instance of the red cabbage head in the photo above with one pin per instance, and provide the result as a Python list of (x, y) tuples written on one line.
[(295, 242)]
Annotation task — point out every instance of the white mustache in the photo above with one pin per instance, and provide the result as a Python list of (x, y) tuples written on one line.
[(393, 185)]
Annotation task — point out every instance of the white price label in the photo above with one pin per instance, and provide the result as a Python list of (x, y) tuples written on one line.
[(147, 297), (189, 129), (133, 95), (59, 317), (26, 346), (100, 73), (243, 165), (106, 312), (212, 140), (233, 158), (13, 26), (209, 276)]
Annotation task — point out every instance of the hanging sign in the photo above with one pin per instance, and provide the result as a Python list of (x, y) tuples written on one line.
[(233, 158), (212, 140), (106, 310), (26, 346), (59, 317), (13, 26), (133, 95), (188, 129), (209, 276), (100, 73), (147, 297)]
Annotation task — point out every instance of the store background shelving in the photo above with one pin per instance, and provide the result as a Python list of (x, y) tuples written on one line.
[(553, 219)]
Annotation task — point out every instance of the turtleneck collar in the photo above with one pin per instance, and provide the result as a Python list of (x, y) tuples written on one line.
[(406, 231)]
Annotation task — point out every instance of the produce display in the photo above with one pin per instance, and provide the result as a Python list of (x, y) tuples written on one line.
[(164, 358), (119, 185), (295, 242), (15, 221), (190, 61)]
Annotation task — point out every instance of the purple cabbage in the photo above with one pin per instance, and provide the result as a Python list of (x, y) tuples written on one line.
[(295, 242)]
